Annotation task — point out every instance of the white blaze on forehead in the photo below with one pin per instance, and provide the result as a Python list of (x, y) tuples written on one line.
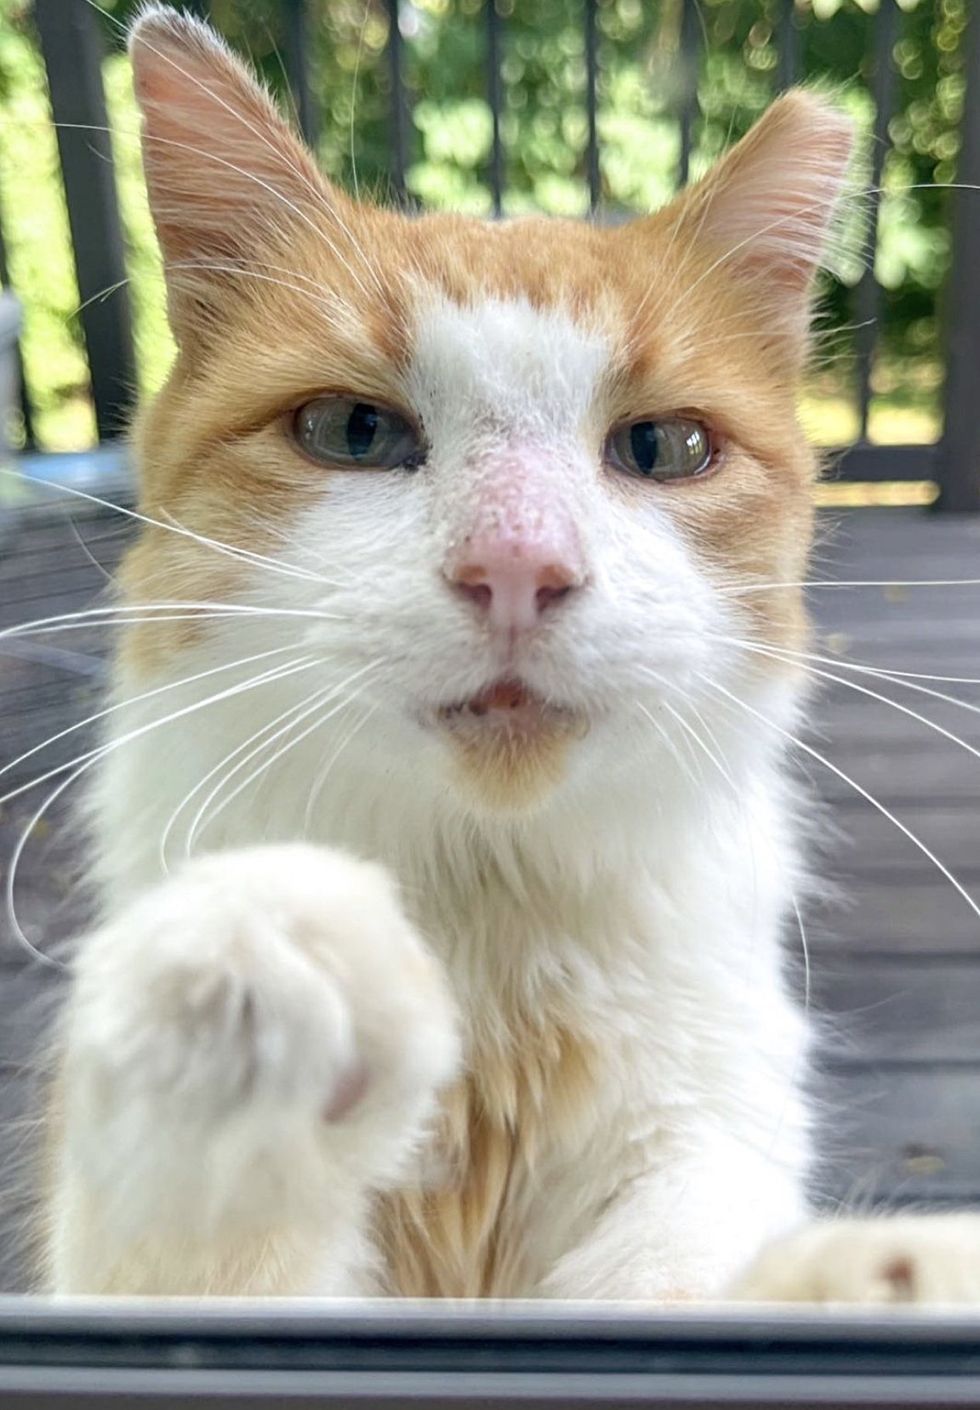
[(505, 391), (504, 368)]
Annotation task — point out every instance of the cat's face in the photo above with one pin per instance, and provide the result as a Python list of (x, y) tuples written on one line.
[(519, 467)]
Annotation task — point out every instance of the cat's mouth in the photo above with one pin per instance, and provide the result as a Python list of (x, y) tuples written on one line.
[(509, 705), (509, 743)]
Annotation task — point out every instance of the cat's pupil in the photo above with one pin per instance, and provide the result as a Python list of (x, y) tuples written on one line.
[(361, 427), (644, 445)]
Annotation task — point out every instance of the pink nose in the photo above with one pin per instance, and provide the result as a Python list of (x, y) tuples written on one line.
[(513, 583)]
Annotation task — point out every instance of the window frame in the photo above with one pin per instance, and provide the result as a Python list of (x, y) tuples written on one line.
[(171, 1353)]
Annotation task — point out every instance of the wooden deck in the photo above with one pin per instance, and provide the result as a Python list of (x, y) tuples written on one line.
[(895, 965)]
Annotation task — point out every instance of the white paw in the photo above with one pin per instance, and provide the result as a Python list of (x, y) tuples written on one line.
[(261, 1026), (892, 1259)]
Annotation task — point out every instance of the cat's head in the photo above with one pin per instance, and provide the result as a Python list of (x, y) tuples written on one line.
[(510, 478)]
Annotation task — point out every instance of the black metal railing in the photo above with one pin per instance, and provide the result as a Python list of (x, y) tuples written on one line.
[(72, 45), (72, 39)]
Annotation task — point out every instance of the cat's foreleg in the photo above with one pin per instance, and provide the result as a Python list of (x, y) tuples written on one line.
[(923, 1259), (251, 1049), (680, 1233)]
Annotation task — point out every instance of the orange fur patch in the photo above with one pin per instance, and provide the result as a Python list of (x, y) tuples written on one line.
[(511, 772), (470, 1235)]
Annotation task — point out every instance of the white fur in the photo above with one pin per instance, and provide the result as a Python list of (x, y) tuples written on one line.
[(926, 1259), (211, 1027)]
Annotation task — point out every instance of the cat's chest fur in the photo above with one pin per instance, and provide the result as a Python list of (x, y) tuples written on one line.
[(476, 1225), (535, 1085)]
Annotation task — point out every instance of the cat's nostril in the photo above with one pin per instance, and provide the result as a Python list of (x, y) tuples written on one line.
[(514, 579), (476, 588), (512, 591), (548, 596), (554, 581)]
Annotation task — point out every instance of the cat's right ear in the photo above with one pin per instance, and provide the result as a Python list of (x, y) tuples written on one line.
[(225, 173), (764, 212)]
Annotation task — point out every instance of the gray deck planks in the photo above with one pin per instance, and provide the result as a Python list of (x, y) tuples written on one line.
[(921, 916)]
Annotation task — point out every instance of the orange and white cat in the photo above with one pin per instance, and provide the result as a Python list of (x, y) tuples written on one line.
[(444, 831)]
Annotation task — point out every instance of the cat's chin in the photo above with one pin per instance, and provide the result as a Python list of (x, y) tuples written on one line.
[(509, 746)]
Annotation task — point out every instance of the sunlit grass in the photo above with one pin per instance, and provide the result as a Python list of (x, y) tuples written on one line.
[(833, 421), (865, 494)]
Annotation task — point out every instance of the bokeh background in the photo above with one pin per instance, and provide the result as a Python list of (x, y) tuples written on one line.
[(643, 84)]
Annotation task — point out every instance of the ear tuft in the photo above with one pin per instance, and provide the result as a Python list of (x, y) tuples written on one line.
[(155, 21), (768, 206), (225, 173)]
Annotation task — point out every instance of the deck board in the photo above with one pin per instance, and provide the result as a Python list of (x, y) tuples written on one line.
[(895, 963)]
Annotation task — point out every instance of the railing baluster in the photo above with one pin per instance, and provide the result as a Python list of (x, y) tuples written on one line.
[(296, 49), (399, 117), (690, 63), (71, 43), (868, 295), (22, 389), (959, 455), (790, 37), (494, 97), (591, 103)]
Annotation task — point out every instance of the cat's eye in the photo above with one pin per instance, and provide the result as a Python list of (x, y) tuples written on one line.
[(352, 434), (675, 448)]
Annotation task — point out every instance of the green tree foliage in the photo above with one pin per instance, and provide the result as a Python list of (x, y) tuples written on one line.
[(646, 77)]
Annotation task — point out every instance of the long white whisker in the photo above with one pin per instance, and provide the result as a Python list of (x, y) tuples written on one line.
[(78, 662), (804, 946), (219, 768), (321, 778), (131, 613), (318, 723), (9, 641), (310, 289), (353, 93), (77, 536), (906, 831), (80, 766), (907, 680), (741, 590), (10, 883), (199, 823), (794, 1080), (292, 717), (136, 699), (689, 729), (99, 750), (776, 655), (680, 761), (243, 271), (244, 555)]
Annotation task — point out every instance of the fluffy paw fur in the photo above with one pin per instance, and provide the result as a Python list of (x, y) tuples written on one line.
[(910, 1259), (263, 1034)]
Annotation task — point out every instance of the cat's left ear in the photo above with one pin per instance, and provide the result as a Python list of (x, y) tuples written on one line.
[(766, 209), (226, 175)]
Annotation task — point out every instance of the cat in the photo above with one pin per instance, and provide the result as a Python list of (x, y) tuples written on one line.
[(444, 833)]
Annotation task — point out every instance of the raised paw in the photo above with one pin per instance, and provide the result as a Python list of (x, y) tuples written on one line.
[(893, 1259), (261, 1028)]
